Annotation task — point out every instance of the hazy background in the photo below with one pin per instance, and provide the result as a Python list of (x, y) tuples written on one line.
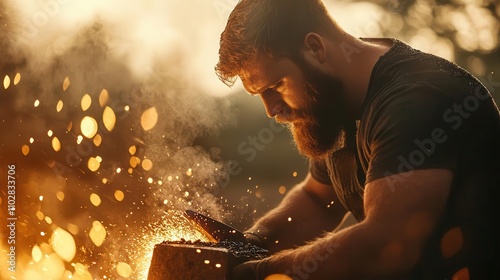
[(180, 139)]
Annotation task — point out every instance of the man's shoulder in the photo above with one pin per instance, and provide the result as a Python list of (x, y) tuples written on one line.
[(406, 78), (403, 64)]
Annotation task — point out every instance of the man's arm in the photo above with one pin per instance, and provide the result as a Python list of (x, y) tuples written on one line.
[(401, 212), (307, 211)]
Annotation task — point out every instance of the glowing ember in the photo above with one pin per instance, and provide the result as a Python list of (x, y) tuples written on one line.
[(132, 150), (49, 267), (39, 215), (98, 233), (25, 149), (149, 118), (36, 253), (60, 196), (282, 190), (56, 144), (147, 164), (103, 98), (17, 78), (32, 140), (123, 269), (95, 199), (97, 140), (134, 161), (66, 84), (93, 164), (79, 268), (6, 82), (81, 273), (73, 229), (119, 195), (37, 102), (88, 127), (59, 106), (50, 133), (108, 118), (79, 139), (86, 102), (63, 244), (278, 277)]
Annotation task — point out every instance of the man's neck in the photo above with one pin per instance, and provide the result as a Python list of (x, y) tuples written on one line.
[(357, 59)]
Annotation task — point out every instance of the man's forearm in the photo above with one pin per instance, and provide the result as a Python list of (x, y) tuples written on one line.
[(300, 217), (362, 251)]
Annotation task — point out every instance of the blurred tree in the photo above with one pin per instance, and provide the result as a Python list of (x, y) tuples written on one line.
[(464, 31)]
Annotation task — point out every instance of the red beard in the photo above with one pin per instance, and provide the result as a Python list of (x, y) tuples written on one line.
[(319, 129)]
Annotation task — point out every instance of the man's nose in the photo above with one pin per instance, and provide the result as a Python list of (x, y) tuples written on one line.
[(273, 103)]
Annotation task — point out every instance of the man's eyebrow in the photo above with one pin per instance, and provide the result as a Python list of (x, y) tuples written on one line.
[(246, 88), (264, 88)]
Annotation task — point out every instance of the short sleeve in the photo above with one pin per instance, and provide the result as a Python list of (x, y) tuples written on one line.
[(409, 131), (319, 171)]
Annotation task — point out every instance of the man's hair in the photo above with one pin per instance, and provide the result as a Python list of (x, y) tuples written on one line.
[(273, 27)]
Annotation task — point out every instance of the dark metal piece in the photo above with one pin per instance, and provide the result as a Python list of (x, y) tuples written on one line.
[(217, 230)]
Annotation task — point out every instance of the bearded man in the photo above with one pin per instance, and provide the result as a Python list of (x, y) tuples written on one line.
[(407, 142)]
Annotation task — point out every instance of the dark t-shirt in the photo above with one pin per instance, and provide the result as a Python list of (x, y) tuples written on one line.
[(423, 112)]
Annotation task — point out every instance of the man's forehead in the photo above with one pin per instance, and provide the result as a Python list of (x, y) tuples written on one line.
[(260, 64), (252, 80)]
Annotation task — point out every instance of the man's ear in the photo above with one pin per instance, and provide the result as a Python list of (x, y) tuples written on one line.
[(314, 47)]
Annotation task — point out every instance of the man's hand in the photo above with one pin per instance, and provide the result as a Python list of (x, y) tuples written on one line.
[(255, 238), (310, 205)]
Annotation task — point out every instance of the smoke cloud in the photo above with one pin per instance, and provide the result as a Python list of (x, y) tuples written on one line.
[(101, 106)]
